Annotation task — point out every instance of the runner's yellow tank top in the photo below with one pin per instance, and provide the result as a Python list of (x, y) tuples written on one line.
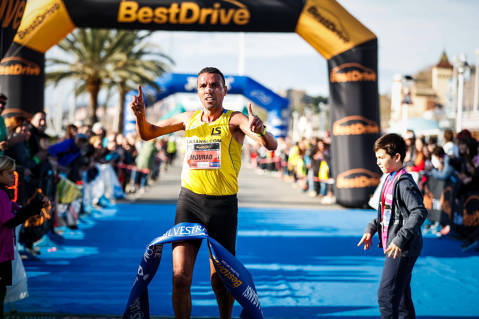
[(213, 157)]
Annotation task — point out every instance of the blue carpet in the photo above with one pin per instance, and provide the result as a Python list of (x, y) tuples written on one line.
[(305, 264)]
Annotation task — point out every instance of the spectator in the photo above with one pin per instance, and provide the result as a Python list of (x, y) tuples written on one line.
[(301, 171), (99, 130), (3, 128), (316, 159), (450, 148), (10, 217), (86, 129), (70, 131), (24, 160), (410, 139), (419, 161), (431, 143), (67, 154), (442, 169), (38, 139), (171, 150), (467, 171), (144, 164)]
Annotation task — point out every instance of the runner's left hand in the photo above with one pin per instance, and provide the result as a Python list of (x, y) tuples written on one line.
[(255, 123), (393, 250)]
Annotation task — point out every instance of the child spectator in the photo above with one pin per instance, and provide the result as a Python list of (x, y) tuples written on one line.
[(400, 215), (9, 220)]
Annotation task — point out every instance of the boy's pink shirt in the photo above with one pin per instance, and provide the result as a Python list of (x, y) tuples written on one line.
[(388, 189)]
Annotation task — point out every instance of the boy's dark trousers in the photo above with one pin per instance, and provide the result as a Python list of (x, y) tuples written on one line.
[(394, 294)]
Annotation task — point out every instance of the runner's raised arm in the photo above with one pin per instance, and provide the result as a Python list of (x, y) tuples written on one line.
[(148, 131)]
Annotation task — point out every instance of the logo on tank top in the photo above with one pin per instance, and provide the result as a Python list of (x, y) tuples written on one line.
[(216, 131)]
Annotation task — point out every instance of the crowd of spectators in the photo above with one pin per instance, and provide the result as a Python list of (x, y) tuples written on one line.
[(306, 164), (454, 168), (450, 162), (84, 170)]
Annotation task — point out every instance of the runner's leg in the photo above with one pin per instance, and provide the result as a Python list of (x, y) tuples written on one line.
[(223, 297), (184, 256)]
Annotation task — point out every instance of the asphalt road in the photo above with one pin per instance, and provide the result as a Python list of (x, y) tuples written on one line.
[(256, 189)]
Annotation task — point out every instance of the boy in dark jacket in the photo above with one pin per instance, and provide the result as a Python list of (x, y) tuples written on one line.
[(401, 213)]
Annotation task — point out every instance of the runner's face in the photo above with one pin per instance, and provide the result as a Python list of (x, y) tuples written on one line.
[(211, 90), (386, 162)]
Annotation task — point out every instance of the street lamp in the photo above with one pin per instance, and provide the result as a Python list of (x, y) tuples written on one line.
[(461, 66), (407, 82)]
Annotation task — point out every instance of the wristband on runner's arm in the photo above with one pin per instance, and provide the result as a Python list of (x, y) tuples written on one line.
[(262, 133)]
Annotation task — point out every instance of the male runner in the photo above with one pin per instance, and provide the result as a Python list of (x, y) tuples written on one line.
[(214, 137)]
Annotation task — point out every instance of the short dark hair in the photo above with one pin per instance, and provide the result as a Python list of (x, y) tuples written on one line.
[(448, 135), (210, 69), (391, 143), (439, 152)]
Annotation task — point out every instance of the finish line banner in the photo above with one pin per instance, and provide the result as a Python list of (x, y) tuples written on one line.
[(234, 275)]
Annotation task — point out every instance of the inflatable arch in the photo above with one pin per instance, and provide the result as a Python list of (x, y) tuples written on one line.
[(349, 47)]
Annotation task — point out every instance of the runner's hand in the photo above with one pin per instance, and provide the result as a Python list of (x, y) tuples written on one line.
[(137, 105), (393, 250), (255, 123), (366, 239)]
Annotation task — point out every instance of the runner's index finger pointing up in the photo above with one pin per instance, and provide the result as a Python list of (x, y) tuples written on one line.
[(140, 93), (250, 110)]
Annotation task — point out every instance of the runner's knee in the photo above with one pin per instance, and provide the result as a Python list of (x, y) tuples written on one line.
[(181, 281), (217, 284)]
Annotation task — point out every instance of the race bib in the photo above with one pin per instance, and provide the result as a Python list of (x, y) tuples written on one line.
[(386, 215), (204, 155)]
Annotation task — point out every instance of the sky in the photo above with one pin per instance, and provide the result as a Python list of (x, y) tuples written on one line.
[(411, 36)]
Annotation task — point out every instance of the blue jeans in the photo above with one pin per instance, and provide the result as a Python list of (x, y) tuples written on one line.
[(394, 293)]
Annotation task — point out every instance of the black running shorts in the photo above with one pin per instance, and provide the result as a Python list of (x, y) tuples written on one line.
[(219, 215)]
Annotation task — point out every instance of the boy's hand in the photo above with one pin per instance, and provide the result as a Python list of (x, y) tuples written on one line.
[(393, 250), (366, 239)]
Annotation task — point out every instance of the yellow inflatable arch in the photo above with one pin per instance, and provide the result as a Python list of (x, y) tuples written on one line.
[(349, 47)]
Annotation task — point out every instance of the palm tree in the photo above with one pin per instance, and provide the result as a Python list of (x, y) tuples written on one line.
[(137, 62), (95, 57)]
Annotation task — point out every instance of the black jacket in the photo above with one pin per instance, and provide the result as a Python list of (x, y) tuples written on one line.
[(407, 215)]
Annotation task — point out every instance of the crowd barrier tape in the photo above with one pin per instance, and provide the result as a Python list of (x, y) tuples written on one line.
[(132, 168), (233, 274)]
